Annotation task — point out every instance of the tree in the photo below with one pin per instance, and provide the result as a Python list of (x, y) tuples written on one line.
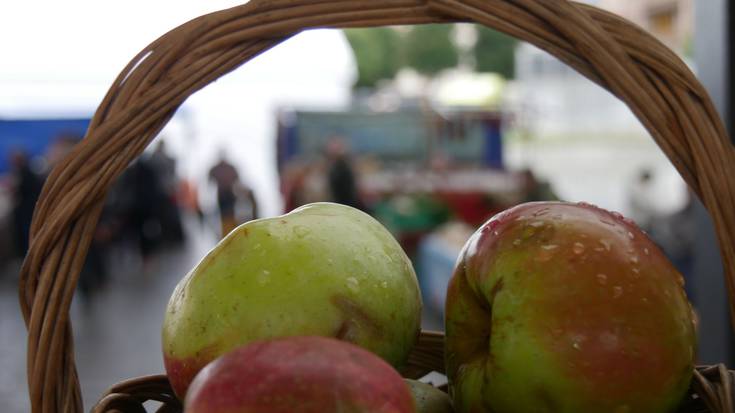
[(377, 54), (429, 48), (495, 52)]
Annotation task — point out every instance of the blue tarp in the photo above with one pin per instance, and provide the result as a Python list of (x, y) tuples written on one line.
[(34, 135)]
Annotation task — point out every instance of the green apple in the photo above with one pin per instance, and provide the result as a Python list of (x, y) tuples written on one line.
[(557, 307), (299, 374), (324, 269), (428, 398)]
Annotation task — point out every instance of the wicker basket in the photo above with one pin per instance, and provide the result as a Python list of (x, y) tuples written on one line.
[(610, 51)]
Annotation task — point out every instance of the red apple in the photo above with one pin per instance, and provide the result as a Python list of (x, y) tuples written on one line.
[(560, 307), (299, 374)]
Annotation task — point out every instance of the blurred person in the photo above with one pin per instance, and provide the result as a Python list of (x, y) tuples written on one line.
[(293, 175), (229, 190), (340, 174), (246, 204), (167, 210), (165, 166), (188, 198), (144, 195), (641, 200), (304, 182), (676, 235), (534, 189), (26, 188)]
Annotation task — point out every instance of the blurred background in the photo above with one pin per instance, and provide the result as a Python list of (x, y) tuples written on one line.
[(430, 129)]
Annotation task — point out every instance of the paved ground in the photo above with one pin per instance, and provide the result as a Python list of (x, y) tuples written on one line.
[(116, 337)]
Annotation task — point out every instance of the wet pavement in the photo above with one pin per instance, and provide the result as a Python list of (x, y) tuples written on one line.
[(117, 333)]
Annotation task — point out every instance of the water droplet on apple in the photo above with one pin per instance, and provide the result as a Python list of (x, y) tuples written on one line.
[(578, 248), (528, 232), (606, 243), (617, 291), (607, 221), (517, 242), (301, 231), (601, 278), (645, 251), (634, 259), (264, 277), (577, 340), (384, 284), (353, 284), (630, 235), (547, 251), (495, 233), (537, 224)]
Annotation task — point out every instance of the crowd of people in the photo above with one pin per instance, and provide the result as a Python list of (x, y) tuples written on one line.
[(143, 213), (144, 208)]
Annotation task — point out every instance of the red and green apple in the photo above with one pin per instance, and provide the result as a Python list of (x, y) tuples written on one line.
[(559, 307), (299, 374)]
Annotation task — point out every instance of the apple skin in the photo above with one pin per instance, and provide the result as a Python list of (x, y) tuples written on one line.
[(324, 269), (558, 307), (299, 374), (428, 398)]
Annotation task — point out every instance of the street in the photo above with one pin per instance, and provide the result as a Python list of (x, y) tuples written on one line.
[(117, 334)]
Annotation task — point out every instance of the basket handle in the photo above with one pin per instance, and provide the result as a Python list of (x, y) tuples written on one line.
[(656, 85)]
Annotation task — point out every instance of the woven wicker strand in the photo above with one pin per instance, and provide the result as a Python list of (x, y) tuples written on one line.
[(656, 85)]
